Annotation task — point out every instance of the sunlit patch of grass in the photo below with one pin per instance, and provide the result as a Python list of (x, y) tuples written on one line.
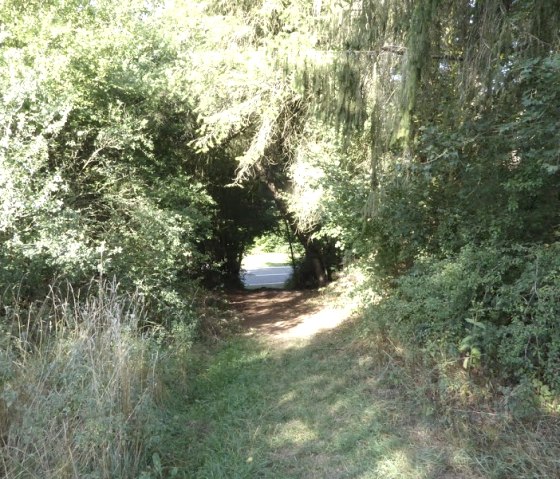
[(294, 432), (345, 405), (393, 466), (296, 412)]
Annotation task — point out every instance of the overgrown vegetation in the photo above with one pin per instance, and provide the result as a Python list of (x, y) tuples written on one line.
[(80, 387), (154, 141), (492, 310), (419, 139)]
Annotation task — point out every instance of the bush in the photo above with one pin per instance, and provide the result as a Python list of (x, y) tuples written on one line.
[(92, 181), (494, 309)]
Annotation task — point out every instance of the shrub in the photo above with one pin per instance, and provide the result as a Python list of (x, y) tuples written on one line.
[(495, 309)]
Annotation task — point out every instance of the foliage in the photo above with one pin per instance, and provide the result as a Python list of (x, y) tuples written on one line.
[(493, 309), (457, 155), (154, 141), (87, 189), (470, 222), (97, 172), (279, 240), (79, 388)]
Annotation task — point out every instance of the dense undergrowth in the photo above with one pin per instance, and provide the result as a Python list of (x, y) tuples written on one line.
[(444, 371), (493, 311), (92, 389), (82, 385)]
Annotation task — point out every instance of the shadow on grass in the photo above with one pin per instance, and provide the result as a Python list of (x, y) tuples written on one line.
[(330, 408), (273, 311)]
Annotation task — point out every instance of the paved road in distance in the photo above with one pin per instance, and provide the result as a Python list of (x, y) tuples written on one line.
[(269, 277)]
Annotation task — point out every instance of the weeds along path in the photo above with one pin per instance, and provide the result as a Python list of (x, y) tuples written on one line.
[(297, 394)]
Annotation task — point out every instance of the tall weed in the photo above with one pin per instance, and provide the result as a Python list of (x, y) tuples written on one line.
[(78, 387)]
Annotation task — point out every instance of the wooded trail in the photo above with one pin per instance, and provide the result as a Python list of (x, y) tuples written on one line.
[(296, 395)]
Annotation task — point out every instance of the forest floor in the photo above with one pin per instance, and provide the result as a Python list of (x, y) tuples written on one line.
[(297, 392), (281, 317)]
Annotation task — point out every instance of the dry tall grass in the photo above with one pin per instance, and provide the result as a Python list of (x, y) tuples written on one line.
[(77, 387)]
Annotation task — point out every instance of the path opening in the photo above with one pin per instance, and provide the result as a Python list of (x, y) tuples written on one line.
[(287, 315), (266, 270)]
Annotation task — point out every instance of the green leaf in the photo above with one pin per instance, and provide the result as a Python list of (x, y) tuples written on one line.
[(475, 323)]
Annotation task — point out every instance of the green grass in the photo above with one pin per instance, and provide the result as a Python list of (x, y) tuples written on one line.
[(308, 411), (338, 408), (98, 400), (78, 388)]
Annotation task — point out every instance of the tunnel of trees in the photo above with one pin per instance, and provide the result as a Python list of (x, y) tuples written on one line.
[(153, 141)]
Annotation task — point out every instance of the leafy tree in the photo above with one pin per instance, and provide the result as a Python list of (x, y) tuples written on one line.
[(154, 141), (88, 187)]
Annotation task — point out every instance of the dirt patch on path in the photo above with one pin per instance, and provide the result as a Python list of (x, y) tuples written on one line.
[(286, 315)]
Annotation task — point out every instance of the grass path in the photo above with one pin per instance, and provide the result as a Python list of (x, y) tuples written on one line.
[(272, 404)]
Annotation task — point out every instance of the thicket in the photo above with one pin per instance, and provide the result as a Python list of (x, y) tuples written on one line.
[(100, 181), (461, 220), (420, 139), (97, 171), (152, 142)]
